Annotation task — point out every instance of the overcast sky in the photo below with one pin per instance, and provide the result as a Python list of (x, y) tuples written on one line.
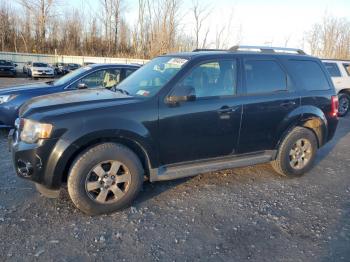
[(261, 22)]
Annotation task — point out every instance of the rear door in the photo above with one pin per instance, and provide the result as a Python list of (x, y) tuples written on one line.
[(269, 98)]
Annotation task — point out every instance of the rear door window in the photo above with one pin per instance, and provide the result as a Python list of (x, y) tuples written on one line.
[(264, 76), (309, 75), (332, 69)]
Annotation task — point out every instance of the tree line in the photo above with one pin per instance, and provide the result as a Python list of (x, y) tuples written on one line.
[(41, 26)]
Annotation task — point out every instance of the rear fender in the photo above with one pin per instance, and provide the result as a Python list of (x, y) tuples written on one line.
[(307, 116)]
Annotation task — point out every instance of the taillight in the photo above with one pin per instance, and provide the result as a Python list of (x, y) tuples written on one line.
[(334, 106)]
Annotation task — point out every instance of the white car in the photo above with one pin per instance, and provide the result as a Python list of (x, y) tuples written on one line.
[(38, 69), (340, 73)]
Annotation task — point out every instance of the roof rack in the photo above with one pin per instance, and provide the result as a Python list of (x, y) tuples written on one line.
[(267, 49), (207, 49)]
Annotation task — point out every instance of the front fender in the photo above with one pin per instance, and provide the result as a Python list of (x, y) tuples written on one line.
[(78, 138)]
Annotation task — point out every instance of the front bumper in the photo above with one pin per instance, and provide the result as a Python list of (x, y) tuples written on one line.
[(43, 75), (29, 160)]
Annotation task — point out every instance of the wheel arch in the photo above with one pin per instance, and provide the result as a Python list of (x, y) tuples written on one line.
[(309, 117), (68, 152)]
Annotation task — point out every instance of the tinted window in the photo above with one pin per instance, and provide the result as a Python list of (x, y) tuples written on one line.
[(40, 65), (212, 79), (308, 75), (5, 63), (347, 68), (129, 72), (103, 78), (264, 76), (333, 69)]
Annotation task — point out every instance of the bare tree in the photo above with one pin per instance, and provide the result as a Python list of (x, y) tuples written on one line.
[(200, 15), (330, 38)]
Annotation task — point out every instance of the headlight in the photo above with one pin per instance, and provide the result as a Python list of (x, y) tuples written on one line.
[(6, 98), (32, 131)]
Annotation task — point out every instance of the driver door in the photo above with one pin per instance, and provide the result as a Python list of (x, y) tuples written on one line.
[(208, 126)]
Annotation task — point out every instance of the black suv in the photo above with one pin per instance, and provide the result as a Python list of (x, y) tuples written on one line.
[(179, 115)]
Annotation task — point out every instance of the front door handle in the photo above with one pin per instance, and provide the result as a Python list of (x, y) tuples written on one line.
[(227, 109), (288, 104)]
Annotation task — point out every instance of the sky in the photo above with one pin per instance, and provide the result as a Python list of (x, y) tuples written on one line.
[(254, 22)]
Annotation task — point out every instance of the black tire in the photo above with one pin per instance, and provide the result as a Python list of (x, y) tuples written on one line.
[(344, 104), (282, 164), (83, 166)]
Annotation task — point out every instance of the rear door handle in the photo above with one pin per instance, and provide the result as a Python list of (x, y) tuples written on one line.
[(287, 104), (227, 109)]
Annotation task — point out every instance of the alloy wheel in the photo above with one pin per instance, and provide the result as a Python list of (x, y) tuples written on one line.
[(108, 182), (300, 154)]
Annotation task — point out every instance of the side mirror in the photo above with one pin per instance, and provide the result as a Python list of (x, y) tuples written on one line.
[(182, 94), (16, 65), (82, 86)]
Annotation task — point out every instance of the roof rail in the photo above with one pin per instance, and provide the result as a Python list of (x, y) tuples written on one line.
[(207, 49), (267, 49)]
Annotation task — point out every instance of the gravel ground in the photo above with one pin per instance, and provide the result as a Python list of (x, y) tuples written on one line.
[(240, 214)]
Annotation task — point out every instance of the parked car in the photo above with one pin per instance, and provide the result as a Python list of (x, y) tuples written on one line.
[(7, 68), (177, 116), (70, 67), (340, 73), (59, 68), (26, 66), (88, 63), (95, 76), (40, 70)]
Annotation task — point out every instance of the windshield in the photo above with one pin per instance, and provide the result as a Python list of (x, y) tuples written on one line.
[(150, 78), (40, 65), (5, 63), (67, 78)]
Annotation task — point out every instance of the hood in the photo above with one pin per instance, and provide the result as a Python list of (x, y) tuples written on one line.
[(23, 88), (71, 100)]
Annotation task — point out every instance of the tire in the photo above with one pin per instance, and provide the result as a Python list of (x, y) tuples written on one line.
[(344, 104), (285, 164), (84, 168)]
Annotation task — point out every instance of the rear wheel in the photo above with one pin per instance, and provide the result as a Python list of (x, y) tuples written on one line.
[(297, 153), (106, 178), (344, 104)]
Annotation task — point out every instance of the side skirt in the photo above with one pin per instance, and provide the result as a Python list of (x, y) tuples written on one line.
[(186, 169)]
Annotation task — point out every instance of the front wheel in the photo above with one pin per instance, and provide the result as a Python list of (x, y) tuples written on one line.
[(344, 104), (105, 178), (296, 153)]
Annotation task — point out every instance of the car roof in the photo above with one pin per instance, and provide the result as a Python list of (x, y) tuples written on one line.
[(113, 65)]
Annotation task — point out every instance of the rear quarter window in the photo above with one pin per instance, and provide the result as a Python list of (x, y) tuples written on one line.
[(309, 75)]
